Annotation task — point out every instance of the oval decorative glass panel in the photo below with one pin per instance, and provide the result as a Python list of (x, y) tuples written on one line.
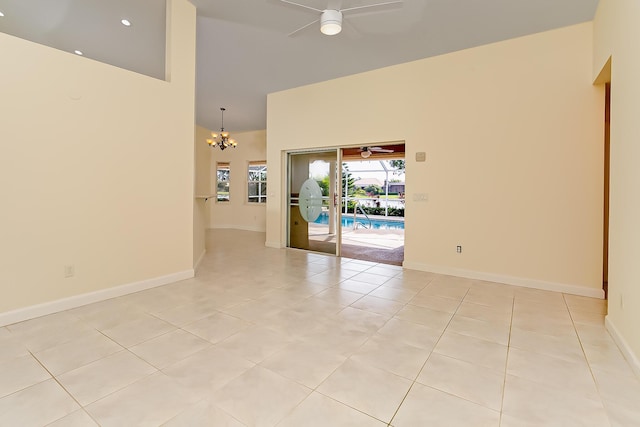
[(310, 200)]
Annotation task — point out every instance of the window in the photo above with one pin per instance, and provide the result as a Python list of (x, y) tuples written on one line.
[(222, 182), (257, 182)]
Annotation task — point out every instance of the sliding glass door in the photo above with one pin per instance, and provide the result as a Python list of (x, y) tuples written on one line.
[(313, 194)]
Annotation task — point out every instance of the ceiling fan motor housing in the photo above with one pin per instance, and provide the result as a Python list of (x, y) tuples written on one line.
[(331, 22)]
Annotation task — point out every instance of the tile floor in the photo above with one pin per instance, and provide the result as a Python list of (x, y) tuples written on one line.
[(266, 337)]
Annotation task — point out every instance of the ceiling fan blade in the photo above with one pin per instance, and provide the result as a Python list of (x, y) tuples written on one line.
[(381, 150), (388, 3), (301, 5), (302, 28), (354, 32)]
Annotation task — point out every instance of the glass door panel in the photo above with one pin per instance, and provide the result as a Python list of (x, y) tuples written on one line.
[(313, 192)]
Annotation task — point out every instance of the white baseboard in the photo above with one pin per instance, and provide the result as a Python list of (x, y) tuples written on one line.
[(238, 227), (200, 258), (508, 280), (51, 307), (624, 347)]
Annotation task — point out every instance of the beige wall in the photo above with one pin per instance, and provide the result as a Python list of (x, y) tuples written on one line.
[(237, 213), (202, 182), (96, 165), (616, 35), (513, 134)]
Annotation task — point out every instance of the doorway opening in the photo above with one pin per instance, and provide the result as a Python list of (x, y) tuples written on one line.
[(348, 202), (373, 203)]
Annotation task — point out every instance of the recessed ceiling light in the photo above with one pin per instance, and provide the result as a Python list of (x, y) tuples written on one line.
[(126, 22), (78, 52)]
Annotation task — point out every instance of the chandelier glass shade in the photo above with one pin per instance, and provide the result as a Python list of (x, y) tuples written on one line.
[(222, 139)]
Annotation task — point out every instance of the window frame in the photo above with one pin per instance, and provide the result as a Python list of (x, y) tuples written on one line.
[(221, 166), (261, 197)]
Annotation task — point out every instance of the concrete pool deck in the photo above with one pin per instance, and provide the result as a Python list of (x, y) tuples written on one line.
[(376, 245)]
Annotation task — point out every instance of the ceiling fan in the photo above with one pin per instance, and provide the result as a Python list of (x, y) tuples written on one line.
[(366, 152), (331, 19)]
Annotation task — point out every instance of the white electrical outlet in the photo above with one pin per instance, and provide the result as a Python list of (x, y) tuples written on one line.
[(459, 249), (420, 197), (69, 271)]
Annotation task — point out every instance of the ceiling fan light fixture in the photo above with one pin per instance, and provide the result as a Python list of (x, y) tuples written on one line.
[(365, 153), (331, 22)]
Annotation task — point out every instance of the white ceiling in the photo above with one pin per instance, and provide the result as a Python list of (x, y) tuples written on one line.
[(244, 53)]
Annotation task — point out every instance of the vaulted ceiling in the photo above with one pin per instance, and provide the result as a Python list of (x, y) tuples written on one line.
[(244, 51)]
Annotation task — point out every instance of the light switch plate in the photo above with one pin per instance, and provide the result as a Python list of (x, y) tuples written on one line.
[(421, 156)]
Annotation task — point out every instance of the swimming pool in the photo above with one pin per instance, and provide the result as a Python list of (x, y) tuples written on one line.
[(376, 224)]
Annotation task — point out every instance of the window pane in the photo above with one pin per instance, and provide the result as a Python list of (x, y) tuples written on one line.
[(257, 182), (222, 182), (253, 189)]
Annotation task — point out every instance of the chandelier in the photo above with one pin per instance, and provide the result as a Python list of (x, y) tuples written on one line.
[(221, 140)]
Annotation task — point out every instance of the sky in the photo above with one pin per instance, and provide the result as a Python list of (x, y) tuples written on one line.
[(363, 170), (359, 170)]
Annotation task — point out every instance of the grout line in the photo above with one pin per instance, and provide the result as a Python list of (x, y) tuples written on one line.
[(81, 407), (506, 362), (430, 354), (348, 406), (593, 377)]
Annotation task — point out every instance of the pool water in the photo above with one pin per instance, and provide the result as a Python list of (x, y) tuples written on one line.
[(376, 224)]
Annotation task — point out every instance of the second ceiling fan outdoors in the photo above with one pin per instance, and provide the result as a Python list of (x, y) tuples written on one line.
[(366, 152), (331, 19)]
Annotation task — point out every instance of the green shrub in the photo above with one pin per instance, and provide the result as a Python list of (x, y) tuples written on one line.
[(397, 212)]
